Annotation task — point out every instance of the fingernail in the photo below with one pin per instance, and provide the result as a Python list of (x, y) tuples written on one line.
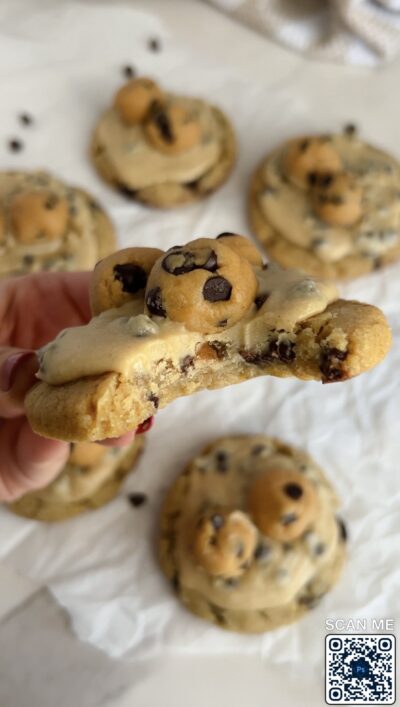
[(145, 426), (11, 367)]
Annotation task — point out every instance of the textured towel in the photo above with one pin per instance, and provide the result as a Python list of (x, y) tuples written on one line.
[(365, 32)]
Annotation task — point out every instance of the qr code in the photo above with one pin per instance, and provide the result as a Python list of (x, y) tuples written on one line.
[(360, 669)]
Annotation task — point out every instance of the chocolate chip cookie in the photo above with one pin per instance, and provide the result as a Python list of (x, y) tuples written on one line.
[(201, 315), (328, 204), (250, 538), (162, 149), (91, 477), (47, 225)]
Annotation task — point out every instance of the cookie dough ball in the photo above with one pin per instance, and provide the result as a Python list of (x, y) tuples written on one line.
[(132, 102), (308, 157), (242, 246), (204, 284), (224, 543), (86, 454), (171, 129), (337, 199), (282, 504), (38, 216), (121, 276)]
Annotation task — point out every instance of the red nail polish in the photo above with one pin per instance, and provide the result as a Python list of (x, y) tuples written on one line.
[(11, 366), (145, 426)]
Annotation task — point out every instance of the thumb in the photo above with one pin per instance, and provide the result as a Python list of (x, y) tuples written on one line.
[(17, 375)]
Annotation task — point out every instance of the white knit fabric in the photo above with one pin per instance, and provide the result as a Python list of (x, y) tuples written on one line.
[(365, 32)]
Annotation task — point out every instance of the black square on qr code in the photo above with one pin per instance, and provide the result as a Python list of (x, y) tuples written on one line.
[(360, 669)]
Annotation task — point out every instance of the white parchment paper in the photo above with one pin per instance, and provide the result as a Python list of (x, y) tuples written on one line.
[(62, 64)]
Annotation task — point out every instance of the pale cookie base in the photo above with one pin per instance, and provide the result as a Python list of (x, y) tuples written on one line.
[(109, 405), (243, 621), (172, 194), (288, 255), (34, 506)]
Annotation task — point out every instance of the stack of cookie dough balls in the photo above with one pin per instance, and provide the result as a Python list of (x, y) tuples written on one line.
[(328, 204), (46, 225), (91, 477), (162, 149), (250, 538)]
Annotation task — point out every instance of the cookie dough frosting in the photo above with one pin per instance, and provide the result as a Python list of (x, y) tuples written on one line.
[(91, 477), (203, 315), (47, 225), (162, 148), (250, 536), (331, 204)]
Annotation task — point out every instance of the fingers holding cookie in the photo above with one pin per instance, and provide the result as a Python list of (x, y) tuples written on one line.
[(120, 277), (38, 216), (224, 543)]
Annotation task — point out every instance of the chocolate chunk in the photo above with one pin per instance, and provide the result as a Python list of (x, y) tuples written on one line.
[(294, 491), (260, 299), (309, 601), (283, 350), (217, 521), (192, 185), (128, 71), (181, 261), (175, 581), (377, 263), (330, 364), (304, 145), (25, 119), (15, 145), (132, 277), (160, 118), (155, 400), (231, 582), (262, 551), (187, 362), (312, 178), (218, 613), (51, 202), (222, 323), (154, 44), (343, 530), (288, 518), (217, 289), (321, 180), (350, 129), (222, 460), (137, 499), (219, 347), (225, 234), (126, 191), (154, 302), (28, 259)]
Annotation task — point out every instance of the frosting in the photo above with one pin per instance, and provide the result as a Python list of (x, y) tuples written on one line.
[(126, 341), (139, 165), (289, 209), (77, 245)]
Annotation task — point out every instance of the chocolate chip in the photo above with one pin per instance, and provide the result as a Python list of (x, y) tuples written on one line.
[(186, 363), (262, 551), (304, 145), (25, 119), (28, 259), (294, 491), (217, 289), (154, 302), (126, 191), (323, 181), (260, 299), (309, 601), (231, 582), (159, 117), (222, 323), (283, 350), (218, 613), (175, 581), (288, 518), (154, 399), (128, 71), (350, 129), (15, 145), (222, 460), (226, 234), (219, 347), (132, 277), (377, 263), (343, 530), (137, 499), (312, 178), (319, 549), (154, 44), (330, 364), (217, 521), (181, 261), (192, 185)]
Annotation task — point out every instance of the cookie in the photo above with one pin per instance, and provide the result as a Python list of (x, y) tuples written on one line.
[(105, 378), (47, 225), (91, 477), (329, 205), (249, 536), (162, 149)]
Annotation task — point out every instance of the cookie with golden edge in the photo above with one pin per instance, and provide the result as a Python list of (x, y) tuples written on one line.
[(162, 149), (250, 538), (91, 478), (201, 317), (47, 225), (328, 204)]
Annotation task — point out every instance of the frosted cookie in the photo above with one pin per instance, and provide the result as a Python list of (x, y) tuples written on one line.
[(203, 315), (47, 225), (160, 148), (328, 204), (250, 537), (91, 477)]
